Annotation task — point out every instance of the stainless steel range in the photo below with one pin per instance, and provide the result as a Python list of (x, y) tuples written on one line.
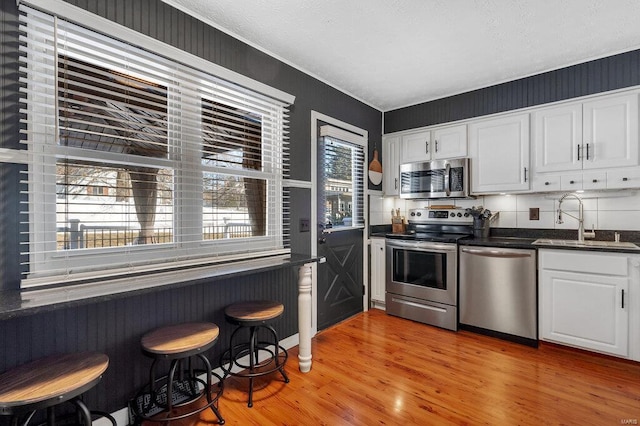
[(422, 267)]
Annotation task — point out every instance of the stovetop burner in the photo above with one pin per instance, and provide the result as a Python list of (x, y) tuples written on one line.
[(442, 226)]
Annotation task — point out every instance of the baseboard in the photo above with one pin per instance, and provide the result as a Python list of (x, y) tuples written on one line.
[(122, 415)]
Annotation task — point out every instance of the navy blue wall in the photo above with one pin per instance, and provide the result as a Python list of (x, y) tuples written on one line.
[(610, 73)]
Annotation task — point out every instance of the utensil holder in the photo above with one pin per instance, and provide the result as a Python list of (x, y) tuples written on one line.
[(480, 227)]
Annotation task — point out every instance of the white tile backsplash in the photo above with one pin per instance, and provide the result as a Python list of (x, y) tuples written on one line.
[(610, 210)]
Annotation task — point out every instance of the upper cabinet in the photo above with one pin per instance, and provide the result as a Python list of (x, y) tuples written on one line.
[(499, 152), (601, 133), (610, 132), (435, 144), (416, 147), (390, 165)]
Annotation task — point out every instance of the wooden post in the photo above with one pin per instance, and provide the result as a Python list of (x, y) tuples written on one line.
[(304, 317)]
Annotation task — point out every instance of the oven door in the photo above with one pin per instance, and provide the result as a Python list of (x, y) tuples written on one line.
[(422, 270)]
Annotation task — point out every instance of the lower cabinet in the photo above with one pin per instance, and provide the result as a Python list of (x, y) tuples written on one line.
[(377, 272), (585, 300)]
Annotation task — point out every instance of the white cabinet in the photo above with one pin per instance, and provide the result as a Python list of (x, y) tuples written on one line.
[(390, 165), (585, 299), (416, 147), (610, 132), (450, 142), (557, 138), (435, 144), (499, 152), (377, 272), (601, 133)]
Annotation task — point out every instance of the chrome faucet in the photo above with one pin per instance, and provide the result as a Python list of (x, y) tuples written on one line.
[(580, 218)]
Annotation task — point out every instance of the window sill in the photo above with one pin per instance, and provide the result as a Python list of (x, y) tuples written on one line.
[(26, 302)]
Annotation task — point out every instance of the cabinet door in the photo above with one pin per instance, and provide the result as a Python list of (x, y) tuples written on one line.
[(377, 276), (390, 165), (416, 147), (450, 142), (584, 310), (557, 138), (499, 151), (610, 132)]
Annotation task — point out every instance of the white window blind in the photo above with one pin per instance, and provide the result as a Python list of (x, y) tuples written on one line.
[(342, 178), (138, 162)]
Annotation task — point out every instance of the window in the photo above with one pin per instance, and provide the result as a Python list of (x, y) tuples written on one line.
[(139, 162), (342, 186)]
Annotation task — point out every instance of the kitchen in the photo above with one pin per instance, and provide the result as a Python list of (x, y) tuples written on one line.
[(114, 318)]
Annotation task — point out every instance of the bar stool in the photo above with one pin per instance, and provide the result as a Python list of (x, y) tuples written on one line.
[(51, 381), (179, 344), (254, 316)]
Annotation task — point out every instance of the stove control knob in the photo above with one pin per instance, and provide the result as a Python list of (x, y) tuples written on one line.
[(466, 215), (413, 213), (459, 214), (419, 214)]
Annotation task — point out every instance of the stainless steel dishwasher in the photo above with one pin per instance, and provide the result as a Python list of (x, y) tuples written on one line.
[(498, 292)]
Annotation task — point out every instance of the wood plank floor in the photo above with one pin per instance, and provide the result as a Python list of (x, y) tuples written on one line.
[(378, 369)]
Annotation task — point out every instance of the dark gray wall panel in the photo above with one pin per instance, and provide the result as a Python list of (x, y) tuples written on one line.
[(610, 73), (115, 328)]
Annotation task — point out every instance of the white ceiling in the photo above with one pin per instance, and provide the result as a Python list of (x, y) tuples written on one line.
[(395, 53)]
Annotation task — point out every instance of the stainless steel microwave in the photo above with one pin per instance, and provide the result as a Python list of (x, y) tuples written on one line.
[(435, 179)]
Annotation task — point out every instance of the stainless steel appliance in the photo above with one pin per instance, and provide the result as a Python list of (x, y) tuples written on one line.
[(435, 179), (422, 267), (498, 292)]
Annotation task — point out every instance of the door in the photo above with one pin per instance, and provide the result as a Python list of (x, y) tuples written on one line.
[(499, 151), (450, 142), (611, 132), (416, 147), (341, 207)]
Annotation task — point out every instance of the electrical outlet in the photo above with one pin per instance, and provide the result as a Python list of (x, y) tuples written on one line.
[(304, 225), (534, 213)]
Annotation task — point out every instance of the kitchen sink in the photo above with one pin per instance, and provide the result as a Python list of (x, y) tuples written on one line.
[(587, 243)]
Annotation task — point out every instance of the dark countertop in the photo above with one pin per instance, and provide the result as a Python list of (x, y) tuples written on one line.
[(524, 238), (15, 303)]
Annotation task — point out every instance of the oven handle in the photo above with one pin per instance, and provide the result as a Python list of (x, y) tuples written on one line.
[(495, 253), (422, 246)]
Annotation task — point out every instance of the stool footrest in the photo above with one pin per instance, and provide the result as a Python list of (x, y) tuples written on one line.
[(148, 404)]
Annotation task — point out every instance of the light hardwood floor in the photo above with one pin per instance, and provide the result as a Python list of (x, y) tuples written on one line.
[(378, 369)]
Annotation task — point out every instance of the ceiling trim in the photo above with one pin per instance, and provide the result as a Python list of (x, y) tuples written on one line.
[(263, 50)]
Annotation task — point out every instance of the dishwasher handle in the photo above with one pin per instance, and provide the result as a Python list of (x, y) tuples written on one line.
[(496, 253)]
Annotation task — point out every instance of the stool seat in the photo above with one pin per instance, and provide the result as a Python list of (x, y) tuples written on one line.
[(50, 381), (181, 344), (255, 311), (180, 339), (254, 357)]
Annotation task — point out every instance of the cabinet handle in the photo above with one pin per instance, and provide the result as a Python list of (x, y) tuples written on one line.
[(547, 183), (572, 182), (395, 185), (426, 147), (525, 174), (587, 151), (625, 179), (578, 152), (595, 180), (623, 298), (436, 145)]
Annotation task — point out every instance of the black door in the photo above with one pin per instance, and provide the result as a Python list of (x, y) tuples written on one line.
[(340, 281), (340, 205)]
